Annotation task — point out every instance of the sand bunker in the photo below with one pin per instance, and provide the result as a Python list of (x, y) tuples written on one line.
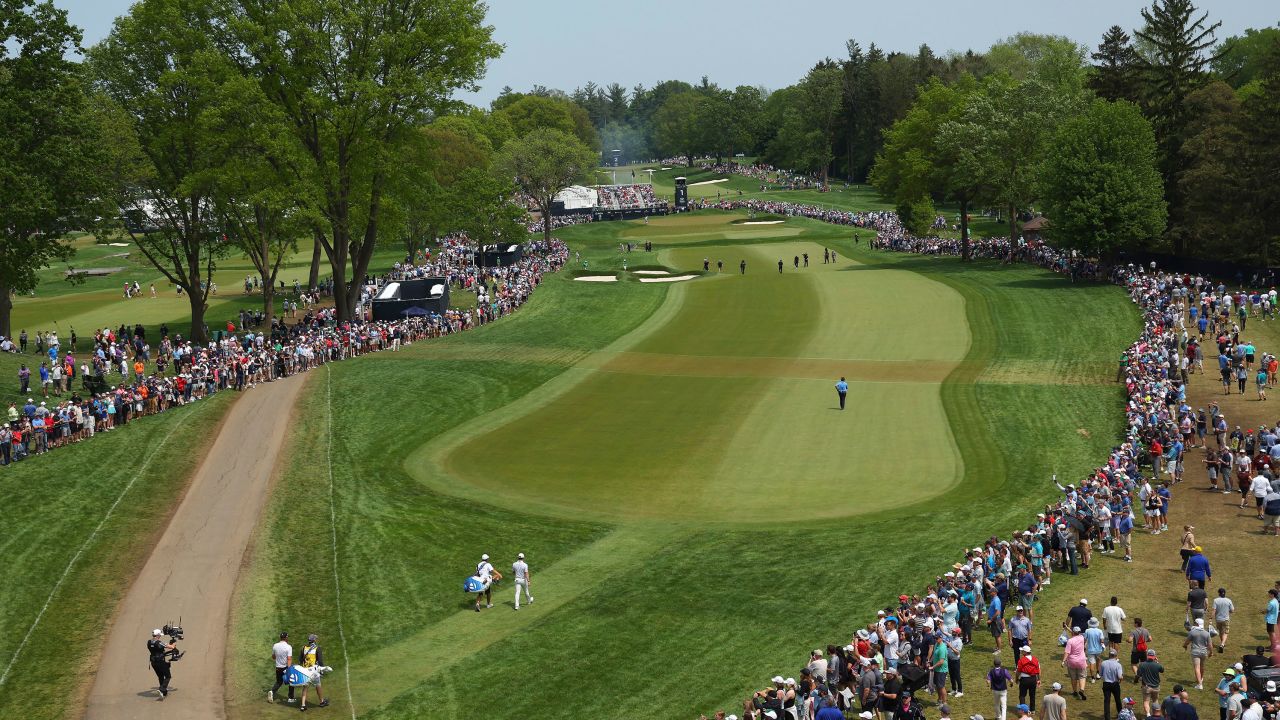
[(762, 222), (598, 278), (709, 182), (664, 168), (677, 278), (118, 244), (650, 272)]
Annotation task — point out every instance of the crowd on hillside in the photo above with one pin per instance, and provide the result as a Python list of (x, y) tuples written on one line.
[(912, 649), (175, 371)]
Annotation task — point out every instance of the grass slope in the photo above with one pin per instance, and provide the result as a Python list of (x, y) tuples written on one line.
[(648, 618)]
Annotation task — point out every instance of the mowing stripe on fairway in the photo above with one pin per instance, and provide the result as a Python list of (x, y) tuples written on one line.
[(85, 545), (402, 666), (333, 529)]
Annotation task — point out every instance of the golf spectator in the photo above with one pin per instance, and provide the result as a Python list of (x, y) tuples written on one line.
[(1053, 706), (1148, 673), (1074, 659), (1198, 566), (1112, 674), (1199, 642), (1113, 618), (1028, 670), (998, 680)]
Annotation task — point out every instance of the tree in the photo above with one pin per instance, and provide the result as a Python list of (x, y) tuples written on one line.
[(1262, 117), (676, 128), (1000, 137), (543, 163), (1053, 59), (1175, 42), (1213, 178), (352, 82), (820, 97), (918, 162), (160, 70), (1239, 59), (1099, 183), (51, 168), (1116, 74), (531, 112)]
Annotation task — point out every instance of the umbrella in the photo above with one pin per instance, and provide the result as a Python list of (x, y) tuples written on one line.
[(414, 311)]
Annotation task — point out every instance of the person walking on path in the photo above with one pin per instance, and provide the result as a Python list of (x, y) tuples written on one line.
[(1028, 670), (1141, 639), (282, 658), (1222, 611), (1188, 544), (1075, 662), (1198, 567), (1112, 673), (998, 680), (1053, 706), (1149, 672), (520, 571), (842, 389), (1200, 642), (1113, 618)]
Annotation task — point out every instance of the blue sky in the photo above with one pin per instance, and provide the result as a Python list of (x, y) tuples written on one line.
[(772, 43)]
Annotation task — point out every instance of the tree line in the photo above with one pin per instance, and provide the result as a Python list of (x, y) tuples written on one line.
[(204, 128)]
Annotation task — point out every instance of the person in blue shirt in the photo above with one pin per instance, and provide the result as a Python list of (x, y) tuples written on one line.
[(1198, 567), (842, 389), (995, 618), (1272, 613), (45, 381)]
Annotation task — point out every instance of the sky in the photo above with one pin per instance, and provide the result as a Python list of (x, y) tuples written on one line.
[(772, 43)]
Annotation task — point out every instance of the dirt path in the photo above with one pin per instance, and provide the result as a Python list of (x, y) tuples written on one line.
[(192, 570)]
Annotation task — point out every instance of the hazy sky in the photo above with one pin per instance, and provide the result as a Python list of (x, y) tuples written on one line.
[(564, 44)]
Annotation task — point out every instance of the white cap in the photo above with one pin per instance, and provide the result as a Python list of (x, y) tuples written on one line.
[(484, 556), (1084, 601), (155, 633), (519, 556), (777, 679), (1200, 622)]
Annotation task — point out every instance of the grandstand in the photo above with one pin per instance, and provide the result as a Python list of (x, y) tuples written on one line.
[(609, 202)]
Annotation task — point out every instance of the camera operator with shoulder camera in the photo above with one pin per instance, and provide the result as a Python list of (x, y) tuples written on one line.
[(160, 652)]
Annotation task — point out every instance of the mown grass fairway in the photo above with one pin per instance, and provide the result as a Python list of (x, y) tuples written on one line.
[(696, 514)]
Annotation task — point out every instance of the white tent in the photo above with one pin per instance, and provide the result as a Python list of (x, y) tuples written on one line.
[(577, 197)]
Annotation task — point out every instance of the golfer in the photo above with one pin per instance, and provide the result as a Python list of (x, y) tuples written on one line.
[(282, 658), (520, 571), (842, 389)]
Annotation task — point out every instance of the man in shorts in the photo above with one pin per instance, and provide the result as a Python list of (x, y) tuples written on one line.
[(1199, 641), (1149, 672), (1113, 618), (1222, 610)]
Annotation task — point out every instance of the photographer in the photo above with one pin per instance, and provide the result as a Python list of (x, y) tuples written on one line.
[(159, 651)]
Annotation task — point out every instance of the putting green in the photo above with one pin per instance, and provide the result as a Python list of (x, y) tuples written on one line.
[(722, 409)]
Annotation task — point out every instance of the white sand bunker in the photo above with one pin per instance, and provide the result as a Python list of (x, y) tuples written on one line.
[(677, 278), (763, 222), (650, 272), (709, 182), (597, 278), (118, 244), (664, 168)]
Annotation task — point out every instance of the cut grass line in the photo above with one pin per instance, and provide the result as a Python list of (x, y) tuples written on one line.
[(399, 667), (85, 545), (333, 530)]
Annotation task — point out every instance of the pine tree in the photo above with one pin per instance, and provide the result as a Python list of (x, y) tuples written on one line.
[(1177, 39), (1115, 74)]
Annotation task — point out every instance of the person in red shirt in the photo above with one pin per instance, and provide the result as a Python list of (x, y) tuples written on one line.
[(1028, 672)]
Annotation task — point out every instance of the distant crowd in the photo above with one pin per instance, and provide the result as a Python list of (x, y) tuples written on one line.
[(126, 375)]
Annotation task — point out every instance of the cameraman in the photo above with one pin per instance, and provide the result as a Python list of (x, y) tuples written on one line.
[(159, 651)]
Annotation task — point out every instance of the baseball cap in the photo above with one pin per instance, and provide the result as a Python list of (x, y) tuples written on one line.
[(1022, 707), (865, 715), (1128, 701), (155, 633), (519, 556), (1056, 686), (1084, 601), (944, 709), (312, 637), (777, 679), (1229, 672), (484, 556), (1151, 653), (1199, 622)]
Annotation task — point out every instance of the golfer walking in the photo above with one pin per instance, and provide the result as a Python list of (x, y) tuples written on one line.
[(520, 570), (842, 389)]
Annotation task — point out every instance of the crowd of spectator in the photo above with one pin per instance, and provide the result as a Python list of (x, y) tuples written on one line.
[(912, 649), (626, 197), (175, 371)]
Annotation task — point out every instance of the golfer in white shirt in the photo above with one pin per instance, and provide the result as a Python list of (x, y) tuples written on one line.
[(520, 571)]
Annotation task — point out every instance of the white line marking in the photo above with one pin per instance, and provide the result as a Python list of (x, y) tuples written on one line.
[(333, 529), (56, 586)]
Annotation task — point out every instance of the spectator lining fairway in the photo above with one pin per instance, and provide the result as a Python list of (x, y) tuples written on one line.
[(710, 410)]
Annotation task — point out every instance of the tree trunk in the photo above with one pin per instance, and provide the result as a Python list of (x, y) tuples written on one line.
[(964, 229), (268, 301), (6, 310), (1013, 225), (313, 280), (198, 306), (546, 222)]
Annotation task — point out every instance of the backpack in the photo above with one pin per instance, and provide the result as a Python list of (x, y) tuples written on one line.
[(1140, 644)]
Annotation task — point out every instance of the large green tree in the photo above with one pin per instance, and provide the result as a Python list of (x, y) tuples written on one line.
[(164, 76), (353, 80), (543, 163), (1240, 59), (1262, 118), (1116, 74), (1099, 183), (1176, 39), (530, 112), (51, 167), (677, 126), (1214, 176)]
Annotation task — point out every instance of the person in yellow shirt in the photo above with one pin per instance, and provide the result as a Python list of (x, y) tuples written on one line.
[(312, 657)]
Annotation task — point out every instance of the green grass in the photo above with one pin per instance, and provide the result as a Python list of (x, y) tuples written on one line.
[(52, 505), (671, 579)]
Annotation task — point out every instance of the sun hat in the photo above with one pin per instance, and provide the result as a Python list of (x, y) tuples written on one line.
[(1093, 622)]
